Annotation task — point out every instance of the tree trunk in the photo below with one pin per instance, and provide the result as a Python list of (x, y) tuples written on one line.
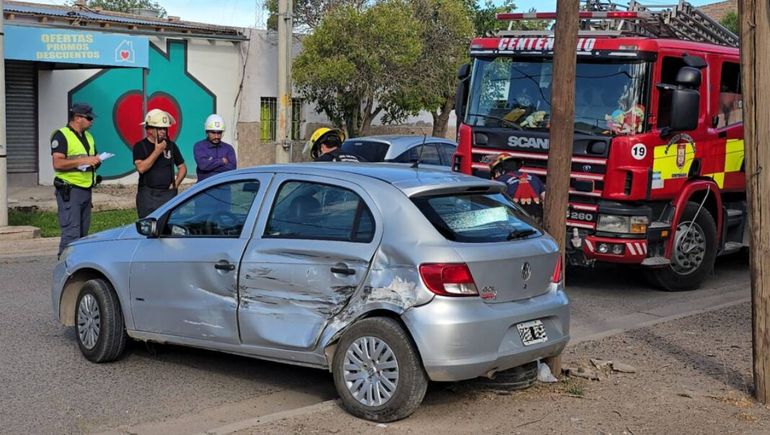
[(441, 117)]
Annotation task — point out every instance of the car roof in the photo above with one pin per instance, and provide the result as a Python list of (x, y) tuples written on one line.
[(400, 143), (411, 181)]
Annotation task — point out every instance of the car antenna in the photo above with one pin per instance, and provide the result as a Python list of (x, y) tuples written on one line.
[(416, 164)]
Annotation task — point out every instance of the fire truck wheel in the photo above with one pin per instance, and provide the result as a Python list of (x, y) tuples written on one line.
[(694, 252)]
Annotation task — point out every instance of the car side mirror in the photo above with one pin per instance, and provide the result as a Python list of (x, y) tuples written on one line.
[(147, 227)]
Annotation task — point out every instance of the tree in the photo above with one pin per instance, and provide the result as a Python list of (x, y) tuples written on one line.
[(355, 62), (485, 21), (307, 14), (126, 5), (446, 33), (730, 20)]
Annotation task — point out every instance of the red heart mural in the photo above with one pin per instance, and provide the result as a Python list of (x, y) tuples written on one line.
[(128, 115), (124, 54)]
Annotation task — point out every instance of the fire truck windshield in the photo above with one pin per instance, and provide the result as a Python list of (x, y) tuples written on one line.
[(516, 93)]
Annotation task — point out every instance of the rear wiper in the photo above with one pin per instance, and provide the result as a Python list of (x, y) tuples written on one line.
[(502, 120), (520, 234)]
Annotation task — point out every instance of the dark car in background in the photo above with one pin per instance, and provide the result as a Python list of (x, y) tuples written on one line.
[(402, 149)]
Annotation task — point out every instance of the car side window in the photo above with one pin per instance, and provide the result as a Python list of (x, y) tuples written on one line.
[(427, 154), (219, 211), (447, 151), (305, 210)]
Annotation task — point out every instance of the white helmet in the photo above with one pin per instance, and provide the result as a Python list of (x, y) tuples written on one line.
[(215, 123)]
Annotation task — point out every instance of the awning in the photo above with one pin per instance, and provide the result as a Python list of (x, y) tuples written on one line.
[(47, 44)]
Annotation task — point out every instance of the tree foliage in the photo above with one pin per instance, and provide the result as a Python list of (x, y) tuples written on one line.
[(730, 20), (356, 61), (485, 21), (126, 5), (307, 14), (446, 34)]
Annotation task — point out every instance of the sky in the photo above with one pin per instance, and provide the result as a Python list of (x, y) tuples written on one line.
[(249, 13)]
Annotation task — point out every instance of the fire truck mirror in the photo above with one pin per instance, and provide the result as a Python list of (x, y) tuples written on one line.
[(688, 77), (684, 109), (464, 72)]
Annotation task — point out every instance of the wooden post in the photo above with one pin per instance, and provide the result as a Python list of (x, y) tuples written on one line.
[(755, 83), (562, 128)]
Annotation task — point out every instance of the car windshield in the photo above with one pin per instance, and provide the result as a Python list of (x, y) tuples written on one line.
[(476, 218), (367, 151), (514, 93)]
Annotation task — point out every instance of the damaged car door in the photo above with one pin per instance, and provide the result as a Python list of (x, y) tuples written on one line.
[(309, 254), (184, 281)]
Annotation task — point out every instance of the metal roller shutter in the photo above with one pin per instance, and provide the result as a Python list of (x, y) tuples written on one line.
[(21, 116)]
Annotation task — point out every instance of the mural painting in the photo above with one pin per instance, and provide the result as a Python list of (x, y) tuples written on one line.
[(116, 96)]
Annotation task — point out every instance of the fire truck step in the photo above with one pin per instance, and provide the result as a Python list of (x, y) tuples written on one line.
[(656, 261), (731, 247)]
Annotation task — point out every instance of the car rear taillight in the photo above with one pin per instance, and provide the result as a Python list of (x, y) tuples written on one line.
[(557, 276), (448, 279)]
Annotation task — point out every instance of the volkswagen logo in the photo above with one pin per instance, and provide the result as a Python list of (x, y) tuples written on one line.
[(526, 271)]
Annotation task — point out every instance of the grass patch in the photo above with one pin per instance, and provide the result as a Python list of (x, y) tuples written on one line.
[(48, 222)]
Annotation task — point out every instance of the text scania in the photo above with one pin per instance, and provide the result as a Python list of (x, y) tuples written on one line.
[(528, 142), (540, 44)]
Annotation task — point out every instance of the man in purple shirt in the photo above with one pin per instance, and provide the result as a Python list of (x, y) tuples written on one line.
[(212, 156)]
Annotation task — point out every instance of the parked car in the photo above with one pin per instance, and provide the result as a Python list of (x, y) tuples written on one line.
[(402, 149), (388, 276)]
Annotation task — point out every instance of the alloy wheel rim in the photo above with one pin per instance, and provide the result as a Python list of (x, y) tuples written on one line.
[(371, 371), (89, 321), (689, 248)]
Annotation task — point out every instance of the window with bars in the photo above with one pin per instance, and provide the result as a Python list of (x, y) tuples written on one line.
[(268, 115), (296, 118), (267, 118)]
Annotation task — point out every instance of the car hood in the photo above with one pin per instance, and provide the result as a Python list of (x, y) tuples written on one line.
[(111, 234)]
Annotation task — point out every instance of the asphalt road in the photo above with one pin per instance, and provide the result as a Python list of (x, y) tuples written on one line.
[(48, 387)]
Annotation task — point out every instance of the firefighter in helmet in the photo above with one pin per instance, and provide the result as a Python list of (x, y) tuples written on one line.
[(524, 188), (324, 146)]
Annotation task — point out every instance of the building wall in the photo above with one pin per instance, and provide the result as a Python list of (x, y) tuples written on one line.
[(189, 78)]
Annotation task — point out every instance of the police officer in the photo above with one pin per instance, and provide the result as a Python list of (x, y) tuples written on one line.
[(324, 146), (154, 158), (73, 153)]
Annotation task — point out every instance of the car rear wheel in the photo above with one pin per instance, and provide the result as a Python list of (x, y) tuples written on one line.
[(377, 371), (101, 333), (693, 253)]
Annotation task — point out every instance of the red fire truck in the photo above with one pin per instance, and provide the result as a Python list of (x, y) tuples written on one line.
[(657, 176)]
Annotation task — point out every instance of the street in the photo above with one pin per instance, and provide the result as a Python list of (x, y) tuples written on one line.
[(48, 387)]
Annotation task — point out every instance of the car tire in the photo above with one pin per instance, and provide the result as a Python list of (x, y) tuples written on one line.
[(517, 378), (99, 327), (693, 254), (396, 373)]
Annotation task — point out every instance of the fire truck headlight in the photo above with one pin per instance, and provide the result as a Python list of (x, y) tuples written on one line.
[(613, 224), (639, 224)]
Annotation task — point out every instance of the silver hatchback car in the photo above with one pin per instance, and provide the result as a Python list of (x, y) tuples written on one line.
[(386, 275)]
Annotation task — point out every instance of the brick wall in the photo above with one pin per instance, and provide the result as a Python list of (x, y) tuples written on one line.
[(718, 10)]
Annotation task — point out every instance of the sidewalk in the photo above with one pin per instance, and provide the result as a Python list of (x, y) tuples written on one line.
[(41, 198)]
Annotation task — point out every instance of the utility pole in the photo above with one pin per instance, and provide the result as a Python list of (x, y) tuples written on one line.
[(755, 84), (283, 127), (562, 129), (3, 147)]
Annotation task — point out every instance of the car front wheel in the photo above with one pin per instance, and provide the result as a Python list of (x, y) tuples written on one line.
[(377, 371), (101, 333)]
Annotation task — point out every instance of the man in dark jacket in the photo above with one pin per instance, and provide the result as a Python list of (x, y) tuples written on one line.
[(212, 155)]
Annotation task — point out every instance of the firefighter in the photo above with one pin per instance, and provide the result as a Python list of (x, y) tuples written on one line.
[(324, 146), (154, 158), (525, 189)]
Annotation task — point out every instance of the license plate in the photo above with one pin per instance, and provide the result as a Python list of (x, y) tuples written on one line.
[(532, 332)]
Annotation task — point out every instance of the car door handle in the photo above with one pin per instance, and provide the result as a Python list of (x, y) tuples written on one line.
[(224, 265), (343, 269)]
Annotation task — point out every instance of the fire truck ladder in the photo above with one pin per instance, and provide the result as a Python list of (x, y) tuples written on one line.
[(677, 21)]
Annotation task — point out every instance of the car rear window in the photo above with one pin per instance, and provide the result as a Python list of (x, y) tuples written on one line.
[(477, 217), (366, 150)]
